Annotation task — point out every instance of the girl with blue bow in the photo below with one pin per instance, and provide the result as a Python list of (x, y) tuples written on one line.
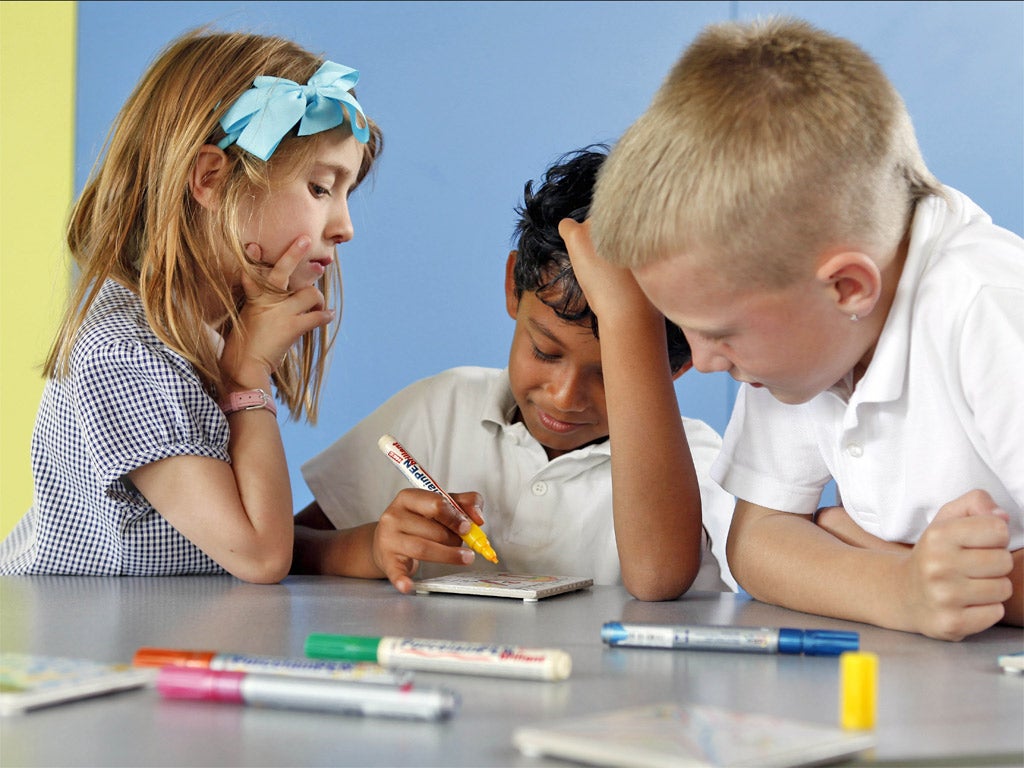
[(208, 285)]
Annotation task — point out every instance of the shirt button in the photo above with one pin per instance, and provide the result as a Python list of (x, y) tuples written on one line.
[(855, 449), (540, 488)]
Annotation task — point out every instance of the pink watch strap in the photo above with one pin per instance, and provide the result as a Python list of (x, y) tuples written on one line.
[(247, 401)]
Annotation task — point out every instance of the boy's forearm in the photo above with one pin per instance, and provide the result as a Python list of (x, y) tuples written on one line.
[(944, 587), (347, 552), (656, 496), (837, 522), (784, 559)]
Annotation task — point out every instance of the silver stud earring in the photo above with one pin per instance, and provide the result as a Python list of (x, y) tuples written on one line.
[(854, 318)]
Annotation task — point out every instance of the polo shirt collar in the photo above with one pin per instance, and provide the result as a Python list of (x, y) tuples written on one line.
[(499, 410), (885, 378)]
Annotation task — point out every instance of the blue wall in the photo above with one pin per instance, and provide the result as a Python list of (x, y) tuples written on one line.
[(477, 97)]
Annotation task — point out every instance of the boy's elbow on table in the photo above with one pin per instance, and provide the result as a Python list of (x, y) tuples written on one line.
[(655, 585)]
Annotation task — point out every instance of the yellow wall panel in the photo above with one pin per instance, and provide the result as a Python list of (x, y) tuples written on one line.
[(37, 110)]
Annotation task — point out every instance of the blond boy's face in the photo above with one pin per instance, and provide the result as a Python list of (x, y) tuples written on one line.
[(554, 368), (782, 339)]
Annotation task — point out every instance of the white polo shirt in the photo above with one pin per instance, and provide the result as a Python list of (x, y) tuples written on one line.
[(939, 411), (541, 516)]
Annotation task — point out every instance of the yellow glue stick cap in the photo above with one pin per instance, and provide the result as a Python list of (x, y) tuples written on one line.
[(858, 690)]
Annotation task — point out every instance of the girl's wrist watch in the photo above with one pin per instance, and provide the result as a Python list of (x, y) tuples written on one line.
[(247, 400)]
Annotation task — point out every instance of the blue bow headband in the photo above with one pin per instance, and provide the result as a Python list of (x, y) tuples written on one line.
[(263, 115)]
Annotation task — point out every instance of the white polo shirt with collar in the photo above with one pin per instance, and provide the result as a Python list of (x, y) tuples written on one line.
[(542, 517), (939, 411)]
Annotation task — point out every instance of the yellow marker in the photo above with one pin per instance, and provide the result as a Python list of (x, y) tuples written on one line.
[(401, 458), (858, 690)]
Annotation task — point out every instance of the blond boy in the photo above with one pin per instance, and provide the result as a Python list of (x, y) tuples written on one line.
[(874, 317)]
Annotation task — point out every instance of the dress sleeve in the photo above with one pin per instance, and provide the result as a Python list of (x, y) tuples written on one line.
[(137, 404)]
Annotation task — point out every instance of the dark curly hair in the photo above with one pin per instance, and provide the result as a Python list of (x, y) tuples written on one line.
[(543, 266)]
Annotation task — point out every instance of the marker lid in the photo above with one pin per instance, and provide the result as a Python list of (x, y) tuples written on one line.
[(163, 657), (348, 647), (817, 642), (858, 690), (180, 682)]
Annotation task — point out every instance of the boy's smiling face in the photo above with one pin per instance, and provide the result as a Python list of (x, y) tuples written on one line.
[(554, 368)]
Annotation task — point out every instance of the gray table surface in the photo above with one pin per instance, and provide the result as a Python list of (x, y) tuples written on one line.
[(939, 703)]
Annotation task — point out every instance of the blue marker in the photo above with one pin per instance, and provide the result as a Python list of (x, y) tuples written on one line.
[(810, 642)]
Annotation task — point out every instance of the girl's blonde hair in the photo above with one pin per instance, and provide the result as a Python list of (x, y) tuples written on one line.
[(136, 221), (767, 143)]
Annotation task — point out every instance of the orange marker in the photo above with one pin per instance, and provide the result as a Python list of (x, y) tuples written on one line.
[(403, 460)]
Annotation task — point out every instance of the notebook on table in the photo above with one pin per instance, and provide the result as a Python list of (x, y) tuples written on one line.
[(672, 734), (522, 586), (29, 681)]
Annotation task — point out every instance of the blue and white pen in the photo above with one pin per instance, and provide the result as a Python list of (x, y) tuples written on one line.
[(809, 642)]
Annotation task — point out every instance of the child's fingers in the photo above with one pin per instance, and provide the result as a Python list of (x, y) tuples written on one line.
[(472, 504), (308, 299), (974, 503), (988, 591), (971, 620), (455, 520), (970, 532), (421, 515), (576, 235), (399, 576), (985, 563), (301, 312), (282, 271), (402, 554)]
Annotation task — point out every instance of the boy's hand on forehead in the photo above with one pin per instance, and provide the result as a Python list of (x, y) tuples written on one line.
[(608, 288)]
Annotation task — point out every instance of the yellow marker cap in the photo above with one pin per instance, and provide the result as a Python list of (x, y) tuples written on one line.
[(477, 540), (858, 690)]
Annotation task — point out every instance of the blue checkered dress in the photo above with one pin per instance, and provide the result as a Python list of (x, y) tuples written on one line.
[(128, 401)]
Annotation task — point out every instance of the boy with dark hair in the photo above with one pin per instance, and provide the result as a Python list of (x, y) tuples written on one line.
[(539, 442)]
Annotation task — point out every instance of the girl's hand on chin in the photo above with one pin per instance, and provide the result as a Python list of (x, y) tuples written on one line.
[(273, 322)]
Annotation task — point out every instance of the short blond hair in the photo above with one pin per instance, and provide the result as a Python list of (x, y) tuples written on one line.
[(768, 142), (137, 223)]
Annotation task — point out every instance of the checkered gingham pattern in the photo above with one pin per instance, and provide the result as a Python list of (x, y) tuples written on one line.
[(128, 401)]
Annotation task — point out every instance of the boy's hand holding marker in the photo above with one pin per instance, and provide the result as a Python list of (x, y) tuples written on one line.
[(425, 523)]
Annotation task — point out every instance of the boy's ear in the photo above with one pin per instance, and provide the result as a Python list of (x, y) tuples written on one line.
[(207, 174), (511, 300), (853, 281)]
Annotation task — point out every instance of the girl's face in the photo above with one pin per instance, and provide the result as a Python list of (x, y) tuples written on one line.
[(788, 340), (312, 202)]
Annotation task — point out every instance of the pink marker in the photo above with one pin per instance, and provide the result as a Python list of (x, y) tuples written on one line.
[(284, 692)]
